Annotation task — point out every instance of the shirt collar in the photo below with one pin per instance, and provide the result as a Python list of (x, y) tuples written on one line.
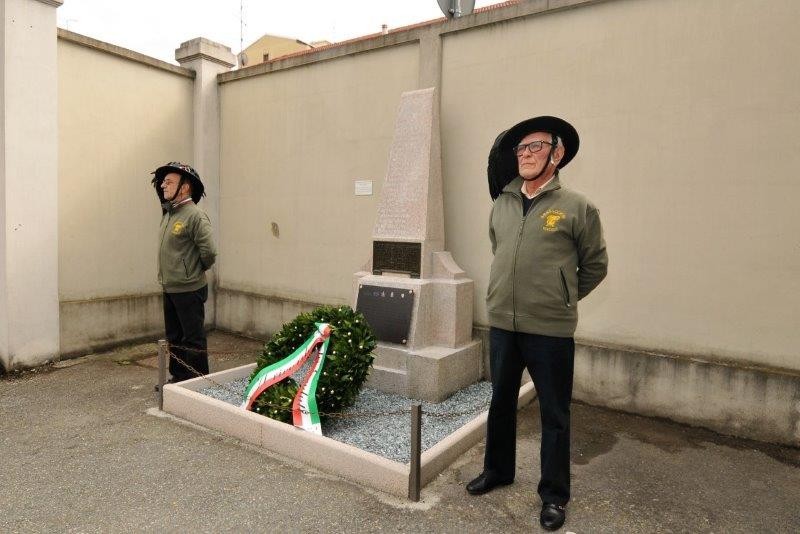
[(181, 203), (538, 191)]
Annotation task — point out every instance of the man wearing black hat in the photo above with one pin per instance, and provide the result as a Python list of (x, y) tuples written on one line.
[(549, 253), (186, 252)]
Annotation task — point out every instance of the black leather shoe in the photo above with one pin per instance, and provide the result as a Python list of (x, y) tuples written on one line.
[(552, 516), (484, 484)]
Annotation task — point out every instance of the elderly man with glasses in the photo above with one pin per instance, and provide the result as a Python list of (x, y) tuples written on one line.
[(549, 253), (186, 251)]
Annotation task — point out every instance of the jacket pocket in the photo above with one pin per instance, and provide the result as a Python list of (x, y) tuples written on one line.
[(564, 287), (185, 268)]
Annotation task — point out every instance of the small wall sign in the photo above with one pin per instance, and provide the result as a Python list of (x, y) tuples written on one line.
[(363, 187)]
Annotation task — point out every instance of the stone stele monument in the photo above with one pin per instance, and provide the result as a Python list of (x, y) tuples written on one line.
[(416, 299)]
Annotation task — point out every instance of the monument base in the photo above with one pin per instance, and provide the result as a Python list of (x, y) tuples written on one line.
[(438, 355), (431, 374)]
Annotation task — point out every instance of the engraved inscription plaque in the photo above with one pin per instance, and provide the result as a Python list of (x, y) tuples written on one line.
[(398, 257), (387, 310)]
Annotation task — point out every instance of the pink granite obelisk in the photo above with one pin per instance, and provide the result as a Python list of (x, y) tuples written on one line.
[(438, 355)]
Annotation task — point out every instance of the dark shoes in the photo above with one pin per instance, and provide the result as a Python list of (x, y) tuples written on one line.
[(484, 484), (552, 516)]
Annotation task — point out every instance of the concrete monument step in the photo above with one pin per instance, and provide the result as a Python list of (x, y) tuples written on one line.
[(391, 356), (388, 380), (431, 374)]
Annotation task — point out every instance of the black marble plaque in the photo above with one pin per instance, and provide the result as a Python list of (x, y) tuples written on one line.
[(387, 310), (397, 257)]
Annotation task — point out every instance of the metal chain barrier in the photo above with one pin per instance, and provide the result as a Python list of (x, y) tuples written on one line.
[(415, 410), (337, 415)]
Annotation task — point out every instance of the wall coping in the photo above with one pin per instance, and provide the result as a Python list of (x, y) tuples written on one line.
[(205, 49), (504, 12), (124, 53), (345, 49), (489, 15)]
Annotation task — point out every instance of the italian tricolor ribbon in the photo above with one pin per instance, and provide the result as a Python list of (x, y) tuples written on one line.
[(304, 407)]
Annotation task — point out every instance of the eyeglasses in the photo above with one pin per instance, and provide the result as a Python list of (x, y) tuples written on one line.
[(534, 146)]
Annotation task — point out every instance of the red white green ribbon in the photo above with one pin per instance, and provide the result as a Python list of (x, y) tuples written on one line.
[(304, 407)]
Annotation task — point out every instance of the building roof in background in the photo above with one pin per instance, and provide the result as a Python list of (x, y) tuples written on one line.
[(316, 46)]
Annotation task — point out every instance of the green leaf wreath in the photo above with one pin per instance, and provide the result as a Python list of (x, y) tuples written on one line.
[(346, 364)]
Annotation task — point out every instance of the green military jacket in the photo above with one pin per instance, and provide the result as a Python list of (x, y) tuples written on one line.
[(186, 249), (545, 261)]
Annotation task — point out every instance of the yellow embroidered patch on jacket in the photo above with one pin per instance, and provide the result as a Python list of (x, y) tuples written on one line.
[(177, 228), (551, 218)]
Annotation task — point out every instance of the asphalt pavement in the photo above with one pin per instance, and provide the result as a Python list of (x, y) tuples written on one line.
[(83, 448)]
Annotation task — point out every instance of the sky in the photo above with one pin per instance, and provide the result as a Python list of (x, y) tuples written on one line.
[(157, 27)]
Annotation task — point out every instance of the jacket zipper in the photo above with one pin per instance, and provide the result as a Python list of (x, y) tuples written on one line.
[(514, 275), (161, 248), (516, 253), (565, 292)]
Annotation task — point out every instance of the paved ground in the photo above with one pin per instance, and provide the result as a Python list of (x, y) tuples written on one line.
[(79, 452)]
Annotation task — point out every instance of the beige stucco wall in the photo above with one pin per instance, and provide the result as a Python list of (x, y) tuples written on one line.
[(688, 113), (686, 110), (118, 120), (293, 144)]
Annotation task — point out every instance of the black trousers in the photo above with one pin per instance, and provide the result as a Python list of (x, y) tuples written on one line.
[(550, 362), (184, 315)]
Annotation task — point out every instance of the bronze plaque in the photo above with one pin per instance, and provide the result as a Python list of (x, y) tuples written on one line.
[(398, 257), (387, 310)]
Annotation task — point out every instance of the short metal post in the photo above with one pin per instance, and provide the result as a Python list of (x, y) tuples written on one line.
[(162, 371), (416, 451)]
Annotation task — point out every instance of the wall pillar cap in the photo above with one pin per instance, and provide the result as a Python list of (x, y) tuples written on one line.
[(207, 49)]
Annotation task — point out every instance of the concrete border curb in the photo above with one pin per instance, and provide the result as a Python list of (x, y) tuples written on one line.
[(351, 463)]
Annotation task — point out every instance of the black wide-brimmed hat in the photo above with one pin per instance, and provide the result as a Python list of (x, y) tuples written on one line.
[(503, 167), (198, 189)]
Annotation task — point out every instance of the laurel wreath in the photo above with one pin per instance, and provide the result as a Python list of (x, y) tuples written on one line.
[(345, 369)]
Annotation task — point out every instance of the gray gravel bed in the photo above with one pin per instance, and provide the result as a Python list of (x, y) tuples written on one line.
[(388, 435)]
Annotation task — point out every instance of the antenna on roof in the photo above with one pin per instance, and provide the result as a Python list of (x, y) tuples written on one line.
[(242, 56), (454, 9)]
